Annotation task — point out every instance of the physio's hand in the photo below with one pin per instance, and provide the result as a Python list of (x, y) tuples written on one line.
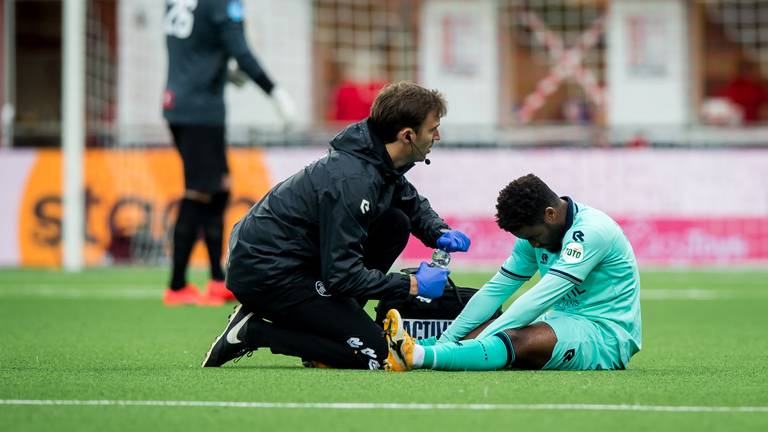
[(284, 106), (431, 280), (453, 241)]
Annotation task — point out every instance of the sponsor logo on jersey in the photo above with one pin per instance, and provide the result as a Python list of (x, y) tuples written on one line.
[(578, 236), (573, 253), (425, 328), (365, 206), (169, 99), (320, 288), (569, 355), (235, 10)]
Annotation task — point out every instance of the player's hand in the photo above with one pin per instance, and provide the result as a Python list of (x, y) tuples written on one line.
[(236, 76), (431, 280), (454, 241), (284, 105)]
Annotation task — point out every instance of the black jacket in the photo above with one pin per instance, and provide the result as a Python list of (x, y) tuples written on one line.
[(310, 228)]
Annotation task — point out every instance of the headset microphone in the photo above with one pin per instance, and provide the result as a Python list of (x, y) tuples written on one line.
[(426, 160)]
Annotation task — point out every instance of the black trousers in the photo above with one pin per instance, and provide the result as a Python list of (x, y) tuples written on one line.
[(335, 330)]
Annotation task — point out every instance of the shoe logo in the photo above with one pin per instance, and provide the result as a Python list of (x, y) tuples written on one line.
[(232, 333), (365, 206), (320, 288)]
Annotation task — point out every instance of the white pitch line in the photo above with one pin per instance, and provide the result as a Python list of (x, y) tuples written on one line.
[(391, 406), (685, 294), (126, 292)]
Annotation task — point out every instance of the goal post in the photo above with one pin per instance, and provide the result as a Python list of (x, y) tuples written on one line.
[(73, 132)]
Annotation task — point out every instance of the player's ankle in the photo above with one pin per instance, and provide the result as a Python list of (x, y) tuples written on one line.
[(418, 356)]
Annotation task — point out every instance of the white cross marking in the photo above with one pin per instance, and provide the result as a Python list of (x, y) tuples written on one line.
[(566, 63)]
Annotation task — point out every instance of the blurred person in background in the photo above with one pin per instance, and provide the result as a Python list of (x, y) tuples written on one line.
[(747, 91), (321, 242), (575, 111), (201, 37), (583, 314), (361, 82)]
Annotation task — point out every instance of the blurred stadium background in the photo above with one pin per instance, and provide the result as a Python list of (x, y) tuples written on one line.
[(655, 111)]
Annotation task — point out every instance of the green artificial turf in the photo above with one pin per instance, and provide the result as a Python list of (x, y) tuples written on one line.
[(104, 335)]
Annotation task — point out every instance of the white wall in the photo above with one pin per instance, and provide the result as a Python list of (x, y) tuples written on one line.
[(459, 56), (141, 69), (279, 34), (647, 60)]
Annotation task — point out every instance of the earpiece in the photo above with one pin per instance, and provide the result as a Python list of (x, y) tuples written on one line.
[(408, 138)]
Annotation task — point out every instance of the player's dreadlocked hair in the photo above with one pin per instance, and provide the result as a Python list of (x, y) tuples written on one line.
[(522, 203)]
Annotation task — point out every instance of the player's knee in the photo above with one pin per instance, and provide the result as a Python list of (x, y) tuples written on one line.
[(518, 341), (533, 345), (189, 213), (226, 182), (214, 223), (197, 196)]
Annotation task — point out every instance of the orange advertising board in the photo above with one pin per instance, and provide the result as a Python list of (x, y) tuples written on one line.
[(131, 199)]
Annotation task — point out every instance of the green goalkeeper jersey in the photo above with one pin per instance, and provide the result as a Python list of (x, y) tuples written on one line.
[(594, 276)]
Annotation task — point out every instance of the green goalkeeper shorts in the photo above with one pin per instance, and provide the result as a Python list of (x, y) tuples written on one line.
[(582, 344)]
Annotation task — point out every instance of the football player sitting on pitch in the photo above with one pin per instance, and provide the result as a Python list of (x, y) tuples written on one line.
[(583, 314)]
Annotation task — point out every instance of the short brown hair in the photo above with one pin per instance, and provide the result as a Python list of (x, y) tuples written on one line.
[(404, 104)]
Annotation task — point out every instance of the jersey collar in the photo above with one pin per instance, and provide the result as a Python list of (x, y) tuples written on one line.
[(573, 208)]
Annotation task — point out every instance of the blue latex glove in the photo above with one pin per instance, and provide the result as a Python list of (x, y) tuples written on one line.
[(453, 241), (431, 280)]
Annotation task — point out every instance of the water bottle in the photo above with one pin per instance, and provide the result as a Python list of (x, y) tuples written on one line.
[(440, 258)]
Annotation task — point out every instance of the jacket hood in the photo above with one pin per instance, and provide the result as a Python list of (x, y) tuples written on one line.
[(357, 139)]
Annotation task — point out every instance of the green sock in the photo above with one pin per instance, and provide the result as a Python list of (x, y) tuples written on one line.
[(490, 353)]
